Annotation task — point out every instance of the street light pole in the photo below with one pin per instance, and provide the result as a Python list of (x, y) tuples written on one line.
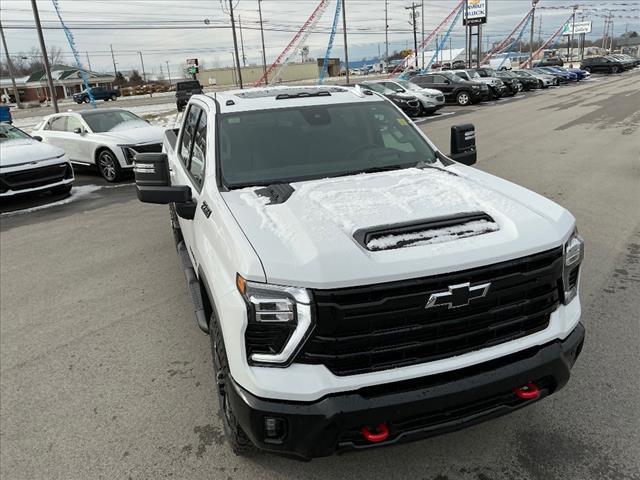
[(168, 73), (344, 31), (10, 68), (235, 43), (264, 53), (414, 24), (533, 19), (45, 58)]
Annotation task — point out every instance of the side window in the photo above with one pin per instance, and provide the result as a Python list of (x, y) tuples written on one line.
[(437, 79), (199, 154), (188, 133), (58, 124), (73, 123)]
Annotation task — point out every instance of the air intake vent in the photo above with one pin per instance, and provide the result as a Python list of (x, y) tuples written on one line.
[(436, 230)]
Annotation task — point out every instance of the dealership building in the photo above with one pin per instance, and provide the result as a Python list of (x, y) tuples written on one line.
[(66, 81)]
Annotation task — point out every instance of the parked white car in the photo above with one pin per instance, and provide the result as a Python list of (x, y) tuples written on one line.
[(107, 138), (28, 166), (430, 98)]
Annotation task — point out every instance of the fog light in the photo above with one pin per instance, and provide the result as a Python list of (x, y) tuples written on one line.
[(274, 429)]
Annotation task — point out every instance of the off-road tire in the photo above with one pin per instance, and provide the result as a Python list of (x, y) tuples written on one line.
[(238, 440)]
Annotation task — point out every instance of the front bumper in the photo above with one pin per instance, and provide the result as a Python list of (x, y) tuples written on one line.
[(411, 409)]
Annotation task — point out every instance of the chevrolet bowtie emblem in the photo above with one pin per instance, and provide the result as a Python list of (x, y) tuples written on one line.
[(458, 295)]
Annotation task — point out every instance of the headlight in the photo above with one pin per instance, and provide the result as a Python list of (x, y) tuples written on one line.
[(279, 320), (573, 255)]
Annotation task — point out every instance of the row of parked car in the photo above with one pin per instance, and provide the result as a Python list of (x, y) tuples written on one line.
[(106, 139), (425, 93)]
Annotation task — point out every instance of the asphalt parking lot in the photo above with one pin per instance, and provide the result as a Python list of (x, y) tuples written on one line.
[(104, 373)]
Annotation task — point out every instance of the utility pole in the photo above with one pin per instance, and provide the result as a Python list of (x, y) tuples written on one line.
[(422, 37), (113, 59), (88, 61), (168, 73), (604, 32), (413, 15), (533, 19), (144, 75), (10, 68), (612, 34), (244, 57), (386, 31), (235, 43), (344, 31), (573, 27), (264, 53), (45, 58)]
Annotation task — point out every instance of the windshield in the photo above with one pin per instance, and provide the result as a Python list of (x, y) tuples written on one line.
[(473, 74), (303, 143), (490, 72), (504, 74), (407, 85), (520, 73), (100, 122), (378, 87), (9, 132)]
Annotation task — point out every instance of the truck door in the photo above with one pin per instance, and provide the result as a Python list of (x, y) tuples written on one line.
[(189, 168)]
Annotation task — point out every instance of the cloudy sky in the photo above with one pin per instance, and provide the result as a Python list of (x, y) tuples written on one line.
[(174, 30)]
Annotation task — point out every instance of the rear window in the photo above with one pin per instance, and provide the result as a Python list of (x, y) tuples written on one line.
[(189, 85)]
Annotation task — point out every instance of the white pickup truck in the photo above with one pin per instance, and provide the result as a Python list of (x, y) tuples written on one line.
[(360, 287)]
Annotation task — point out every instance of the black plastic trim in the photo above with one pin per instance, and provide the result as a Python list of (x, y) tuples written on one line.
[(330, 424)]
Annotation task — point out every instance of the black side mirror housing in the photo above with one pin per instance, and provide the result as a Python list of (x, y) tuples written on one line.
[(400, 90), (78, 130), (463, 144), (151, 171), (37, 137)]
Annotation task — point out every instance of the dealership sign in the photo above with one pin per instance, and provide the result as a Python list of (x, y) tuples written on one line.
[(475, 12), (571, 28)]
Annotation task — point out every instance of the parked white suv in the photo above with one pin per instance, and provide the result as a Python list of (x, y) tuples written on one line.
[(360, 287), (107, 138)]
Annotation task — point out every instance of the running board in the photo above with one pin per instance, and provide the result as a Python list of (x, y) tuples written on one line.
[(194, 287)]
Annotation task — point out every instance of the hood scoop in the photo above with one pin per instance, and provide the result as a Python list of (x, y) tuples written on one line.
[(276, 193), (425, 232)]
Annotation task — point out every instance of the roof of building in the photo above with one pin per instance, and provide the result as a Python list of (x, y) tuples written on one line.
[(58, 73)]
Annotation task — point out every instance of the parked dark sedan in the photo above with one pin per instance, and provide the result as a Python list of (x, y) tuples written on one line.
[(549, 62), (511, 81), (405, 102), (603, 64)]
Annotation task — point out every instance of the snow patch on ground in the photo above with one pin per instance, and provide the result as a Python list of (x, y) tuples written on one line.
[(77, 193), (428, 237)]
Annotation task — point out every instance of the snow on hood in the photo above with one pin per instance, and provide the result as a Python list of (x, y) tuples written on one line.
[(146, 134), (26, 150), (308, 240)]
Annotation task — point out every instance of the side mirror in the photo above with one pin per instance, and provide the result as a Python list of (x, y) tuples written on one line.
[(400, 90), (463, 144), (37, 137), (151, 171), (78, 130), (447, 82)]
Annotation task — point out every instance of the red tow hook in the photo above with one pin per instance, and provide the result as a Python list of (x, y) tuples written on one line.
[(527, 392), (381, 436)]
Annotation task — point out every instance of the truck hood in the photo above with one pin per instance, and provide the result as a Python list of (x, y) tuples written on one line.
[(308, 240), (23, 151), (133, 136)]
